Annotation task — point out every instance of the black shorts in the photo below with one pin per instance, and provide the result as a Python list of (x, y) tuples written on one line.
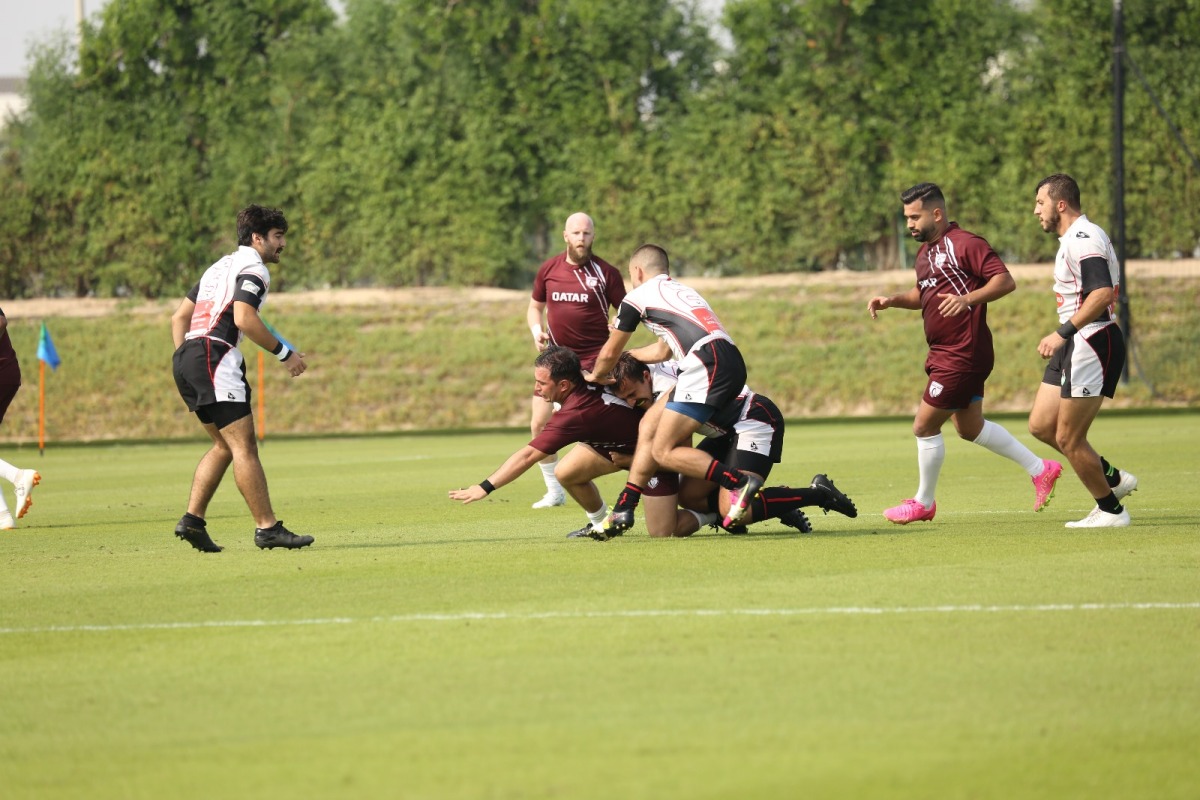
[(222, 414), (754, 442)]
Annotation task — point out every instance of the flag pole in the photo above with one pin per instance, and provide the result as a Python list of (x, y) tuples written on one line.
[(262, 413), (41, 407)]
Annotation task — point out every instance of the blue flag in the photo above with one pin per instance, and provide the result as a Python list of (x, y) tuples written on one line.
[(46, 351)]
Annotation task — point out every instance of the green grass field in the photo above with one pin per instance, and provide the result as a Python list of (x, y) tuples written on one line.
[(423, 649)]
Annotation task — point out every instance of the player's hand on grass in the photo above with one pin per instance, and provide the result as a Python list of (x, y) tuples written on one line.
[(469, 494)]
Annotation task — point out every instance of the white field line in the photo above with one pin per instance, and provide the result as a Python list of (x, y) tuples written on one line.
[(504, 616)]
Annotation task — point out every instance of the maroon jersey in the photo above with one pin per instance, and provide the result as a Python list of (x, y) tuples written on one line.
[(594, 417), (10, 370), (958, 263), (577, 300)]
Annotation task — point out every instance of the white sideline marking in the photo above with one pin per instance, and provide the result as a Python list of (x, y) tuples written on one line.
[(504, 616)]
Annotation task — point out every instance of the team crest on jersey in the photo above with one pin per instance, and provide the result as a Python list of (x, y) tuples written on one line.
[(1082, 235), (592, 281), (935, 388), (940, 260)]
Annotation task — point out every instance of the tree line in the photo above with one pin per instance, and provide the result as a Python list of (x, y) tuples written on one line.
[(443, 143)]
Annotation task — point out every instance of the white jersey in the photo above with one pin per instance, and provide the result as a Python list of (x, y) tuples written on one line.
[(1083, 240), (674, 313), (243, 273)]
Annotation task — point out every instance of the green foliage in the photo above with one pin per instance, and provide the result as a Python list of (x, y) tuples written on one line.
[(418, 144)]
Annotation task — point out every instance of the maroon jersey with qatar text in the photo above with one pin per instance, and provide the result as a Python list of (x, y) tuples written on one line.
[(577, 300), (594, 417), (958, 263)]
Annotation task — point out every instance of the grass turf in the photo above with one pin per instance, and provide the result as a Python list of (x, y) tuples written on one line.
[(425, 649)]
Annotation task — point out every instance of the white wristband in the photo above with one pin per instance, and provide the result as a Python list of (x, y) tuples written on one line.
[(284, 353)]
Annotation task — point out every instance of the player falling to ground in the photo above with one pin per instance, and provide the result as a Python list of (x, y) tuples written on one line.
[(712, 374), (211, 375), (568, 307), (958, 274), (748, 436), (23, 480), (604, 431), (1086, 353)]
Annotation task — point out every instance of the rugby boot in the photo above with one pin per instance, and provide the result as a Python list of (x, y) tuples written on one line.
[(910, 511), (196, 534), (837, 501), (279, 536), (739, 499), (1043, 485), (796, 519), (30, 478)]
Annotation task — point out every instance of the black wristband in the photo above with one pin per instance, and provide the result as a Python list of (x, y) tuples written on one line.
[(486, 485), (278, 348), (1067, 330)]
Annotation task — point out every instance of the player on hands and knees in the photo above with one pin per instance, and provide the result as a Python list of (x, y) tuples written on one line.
[(712, 375), (751, 439)]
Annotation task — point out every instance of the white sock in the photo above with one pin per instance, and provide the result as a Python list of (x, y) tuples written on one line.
[(597, 517), (1002, 443), (9, 472), (552, 484), (3, 506), (703, 519), (931, 452)]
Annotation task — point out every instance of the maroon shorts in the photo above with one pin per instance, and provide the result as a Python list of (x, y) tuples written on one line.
[(951, 390), (662, 484), (7, 392)]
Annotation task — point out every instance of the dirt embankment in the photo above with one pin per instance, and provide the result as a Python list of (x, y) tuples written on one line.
[(98, 307)]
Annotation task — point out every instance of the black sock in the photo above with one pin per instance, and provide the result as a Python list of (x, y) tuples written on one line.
[(1111, 473), (631, 495), (193, 520), (776, 500), (725, 476), (1110, 504)]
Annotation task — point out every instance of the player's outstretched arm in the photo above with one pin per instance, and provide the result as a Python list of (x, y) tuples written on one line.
[(509, 471)]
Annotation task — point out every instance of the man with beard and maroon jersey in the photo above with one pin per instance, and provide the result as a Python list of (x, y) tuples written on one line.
[(958, 274), (572, 294)]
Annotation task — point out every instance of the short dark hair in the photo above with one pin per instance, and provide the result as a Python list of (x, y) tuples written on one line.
[(628, 368), (1061, 187), (257, 219), (927, 193), (652, 258), (562, 363)]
